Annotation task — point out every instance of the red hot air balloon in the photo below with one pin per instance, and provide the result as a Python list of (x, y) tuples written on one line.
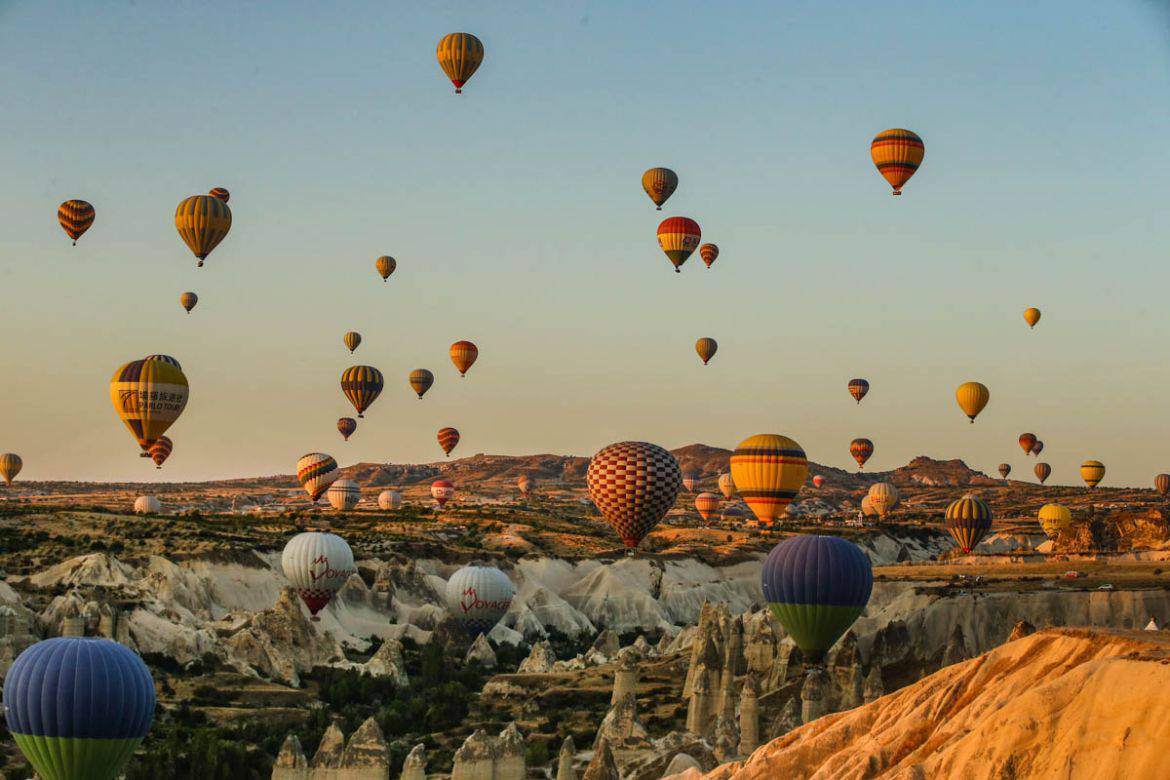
[(448, 438), (709, 253), (818, 480), (861, 450), (346, 426), (1042, 470), (858, 388), (1027, 442), (678, 237), (633, 484), (442, 491), (161, 450)]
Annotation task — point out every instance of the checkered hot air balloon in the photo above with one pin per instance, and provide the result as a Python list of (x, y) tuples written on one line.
[(968, 520), (633, 484), (768, 470)]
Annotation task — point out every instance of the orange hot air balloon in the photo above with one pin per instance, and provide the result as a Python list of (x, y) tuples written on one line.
[(678, 237), (448, 438), (818, 480), (1038, 447), (346, 426), (421, 381), (463, 355), (221, 193), (188, 300), (161, 450), (972, 397), (897, 154), (1004, 470), (858, 388), (459, 56), (385, 266), (1042, 470), (1027, 442), (1162, 483), (76, 217), (708, 252), (707, 504), (660, 184), (861, 449), (1031, 316), (706, 348)]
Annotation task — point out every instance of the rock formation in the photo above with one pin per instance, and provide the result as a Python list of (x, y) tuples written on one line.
[(699, 709), (565, 770), (1021, 629), (482, 757), (388, 662), (281, 642), (602, 767), (726, 737), (625, 678), (813, 700), (365, 756), (620, 727), (873, 689), (540, 659), (414, 767), (481, 651), (749, 716)]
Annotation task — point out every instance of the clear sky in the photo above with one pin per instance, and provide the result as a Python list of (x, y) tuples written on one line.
[(518, 221)]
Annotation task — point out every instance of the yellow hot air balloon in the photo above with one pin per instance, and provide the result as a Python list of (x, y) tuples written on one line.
[(706, 347), (883, 497), (202, 221), (1031, 316), (10, 466), (385, 266), (352, 340), (361, 385), (1092, 472), (188, 300), (660, 184), (421, 380), (149, 395), (897, 153), (1054, 518), (768, 470), (972, 397), (459, 56)]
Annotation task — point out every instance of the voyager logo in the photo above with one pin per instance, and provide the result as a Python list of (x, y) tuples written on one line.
[(321, 570), (471, 600)]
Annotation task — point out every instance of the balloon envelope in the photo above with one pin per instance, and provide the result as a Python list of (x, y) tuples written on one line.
[(188, 300), (477, 597), (316, 471), (459, 56), (385, 265), (463, 355), (709, 253), (1027, 442), (346, 426), (858, 388), (389, 500), (706, 348), (1032, 316), (883, 497), (421, 380), (10, 466), (1005, 469), (768, 470), (1092, 472), (361, 385), (147, 505), (968, 520), (678, 237), (1161, 482), (442, 491), (352, 340), (972, 397), (707, 504), (861, 450), (76, 217), (317, 565), (660, 184), (1054, 518), (343, 494), (202, 222), (448, 439), (1041, 470), (897, 153), (149, 395), (633, 484), (726, 485)]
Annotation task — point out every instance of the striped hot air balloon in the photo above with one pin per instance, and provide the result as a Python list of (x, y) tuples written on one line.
[(690, 480), (352, 340), (148, 395), (463, 355), (633, 484), (161, 450), (972, 397), (448, 439), (362, 385), (726, 485), (442, 491), (170, 361), (526, 485), (768, 470), (343, 494), (78, 707), (1161, 482), (707, 504), (1042, 470), (816, 586), (1092, 472), (477, 597), (678, 237), (147, 505), (818, 481), (660, 184), (385, 266), (10, 466), (389, 500), (1054, 518), (316, 471), (709, 253), (858, 388), (1038, 447), (968, 520), (317, 565), (346, 426), (220, 193), (1004, 470), (421, 381), (459, 56), (188, 300), (202, 222), (1031, 316), (861, 450), (706, 348), (883, 497), (897, 154), (76, 217), (1027, 442)]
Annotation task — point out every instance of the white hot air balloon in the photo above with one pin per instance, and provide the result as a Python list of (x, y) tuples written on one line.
[(726, 485), (389, 500), (344, 494), (477, 597), (147, 505), (317, 565)]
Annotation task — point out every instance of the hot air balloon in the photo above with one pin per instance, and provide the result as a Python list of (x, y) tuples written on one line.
[(858, 388), (1031, 316), (361, 385), (678, 237), (78, 707), (731, 514), (972, 397), (861, 450), (968, 520), (10, 466), (526, 484), (316, 472), (385, 266), (867, 507), (660, 184), (818, 480), (343, 494), (448, 438), (1042, 470), (317, 565), (459, 56), (1027, 442), (463, 355), (726, 485), (816, 586), (389, 500), (147, 505), (170, 361), (221, 193), (707, 504), (1161, 482), (706, 348), (897, 154), (346, 426), (188, 300), (768, 470), (633, 484), (477, 597), (1054, 518), (421, 381), (690, 480), (1038, 447), (149, 395), (709, 253), (442, 491), (76, 217), (1092, 472), (883, 497), (352, 340), (1004, 470), (161, 450), (202, 222)]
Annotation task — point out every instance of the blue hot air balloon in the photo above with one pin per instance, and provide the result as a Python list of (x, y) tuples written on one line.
[(816, 587), (78, 708)]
